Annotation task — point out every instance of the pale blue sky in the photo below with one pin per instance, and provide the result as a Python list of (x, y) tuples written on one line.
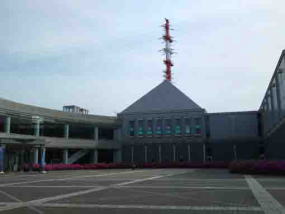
[(103, 55)]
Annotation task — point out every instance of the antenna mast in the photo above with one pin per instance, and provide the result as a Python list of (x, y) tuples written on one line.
[(168, 51)]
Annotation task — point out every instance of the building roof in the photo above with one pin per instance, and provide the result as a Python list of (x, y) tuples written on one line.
[(8, 107), (164, 97)]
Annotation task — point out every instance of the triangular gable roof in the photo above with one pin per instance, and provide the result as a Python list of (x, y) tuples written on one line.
[(164, 97)]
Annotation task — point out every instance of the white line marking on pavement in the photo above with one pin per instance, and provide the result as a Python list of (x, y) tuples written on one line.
[(147, 179), (153, 207), (68, 178), (100, 179), (139, 180), (83, 192), (268, 203), (143, 187), (73, 186), (186, 187), (18, 200), (203, 179), (21, 176)]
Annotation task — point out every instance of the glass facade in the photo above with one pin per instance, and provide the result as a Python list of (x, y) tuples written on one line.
[(149, 129), (187, 126), (275, 101), (282, 90), (167, 127), (2, 123), (140, 128), (270, 115), (198, 125), (274, 94), (177, 126), (158, 127), (131, 128), (265, 114)]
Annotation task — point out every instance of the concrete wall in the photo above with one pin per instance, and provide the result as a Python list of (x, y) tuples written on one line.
[(222, 151), (153, 153), (167, 153), (237, 150), (233, 125), (148, 153), (139, 155), (126, 154), (182, 152), (234, 135), (196, 152), (275, 144)]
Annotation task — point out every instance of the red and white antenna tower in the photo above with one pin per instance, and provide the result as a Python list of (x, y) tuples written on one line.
[(167, 50)]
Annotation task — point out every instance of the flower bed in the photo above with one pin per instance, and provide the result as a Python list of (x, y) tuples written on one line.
[(185, 165), (49, 167), (258, 167)]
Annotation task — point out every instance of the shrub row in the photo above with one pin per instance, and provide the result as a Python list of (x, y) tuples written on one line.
[(49, 167), (244, 167), (185, 165), (258, 167)]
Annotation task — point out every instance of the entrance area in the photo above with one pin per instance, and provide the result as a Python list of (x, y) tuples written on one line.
[(18, 157), (105, 156)]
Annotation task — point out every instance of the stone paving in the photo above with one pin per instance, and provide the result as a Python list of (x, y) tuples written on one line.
[(143, 191)]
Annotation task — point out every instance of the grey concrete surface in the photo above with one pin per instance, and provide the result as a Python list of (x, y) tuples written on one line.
[(279, 195), (146, 191)]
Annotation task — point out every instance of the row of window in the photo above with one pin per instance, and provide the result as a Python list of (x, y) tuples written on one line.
[(165, 127)]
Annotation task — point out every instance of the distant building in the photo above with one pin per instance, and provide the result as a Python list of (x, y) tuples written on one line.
[(75, 109), (167, 126)]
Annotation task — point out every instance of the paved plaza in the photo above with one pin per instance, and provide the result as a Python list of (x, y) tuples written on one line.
[(141, 191)]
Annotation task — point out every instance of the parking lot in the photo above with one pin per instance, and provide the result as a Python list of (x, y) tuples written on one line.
[(141, 191)]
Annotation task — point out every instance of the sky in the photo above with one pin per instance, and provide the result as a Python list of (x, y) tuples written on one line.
[(103, 55)]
